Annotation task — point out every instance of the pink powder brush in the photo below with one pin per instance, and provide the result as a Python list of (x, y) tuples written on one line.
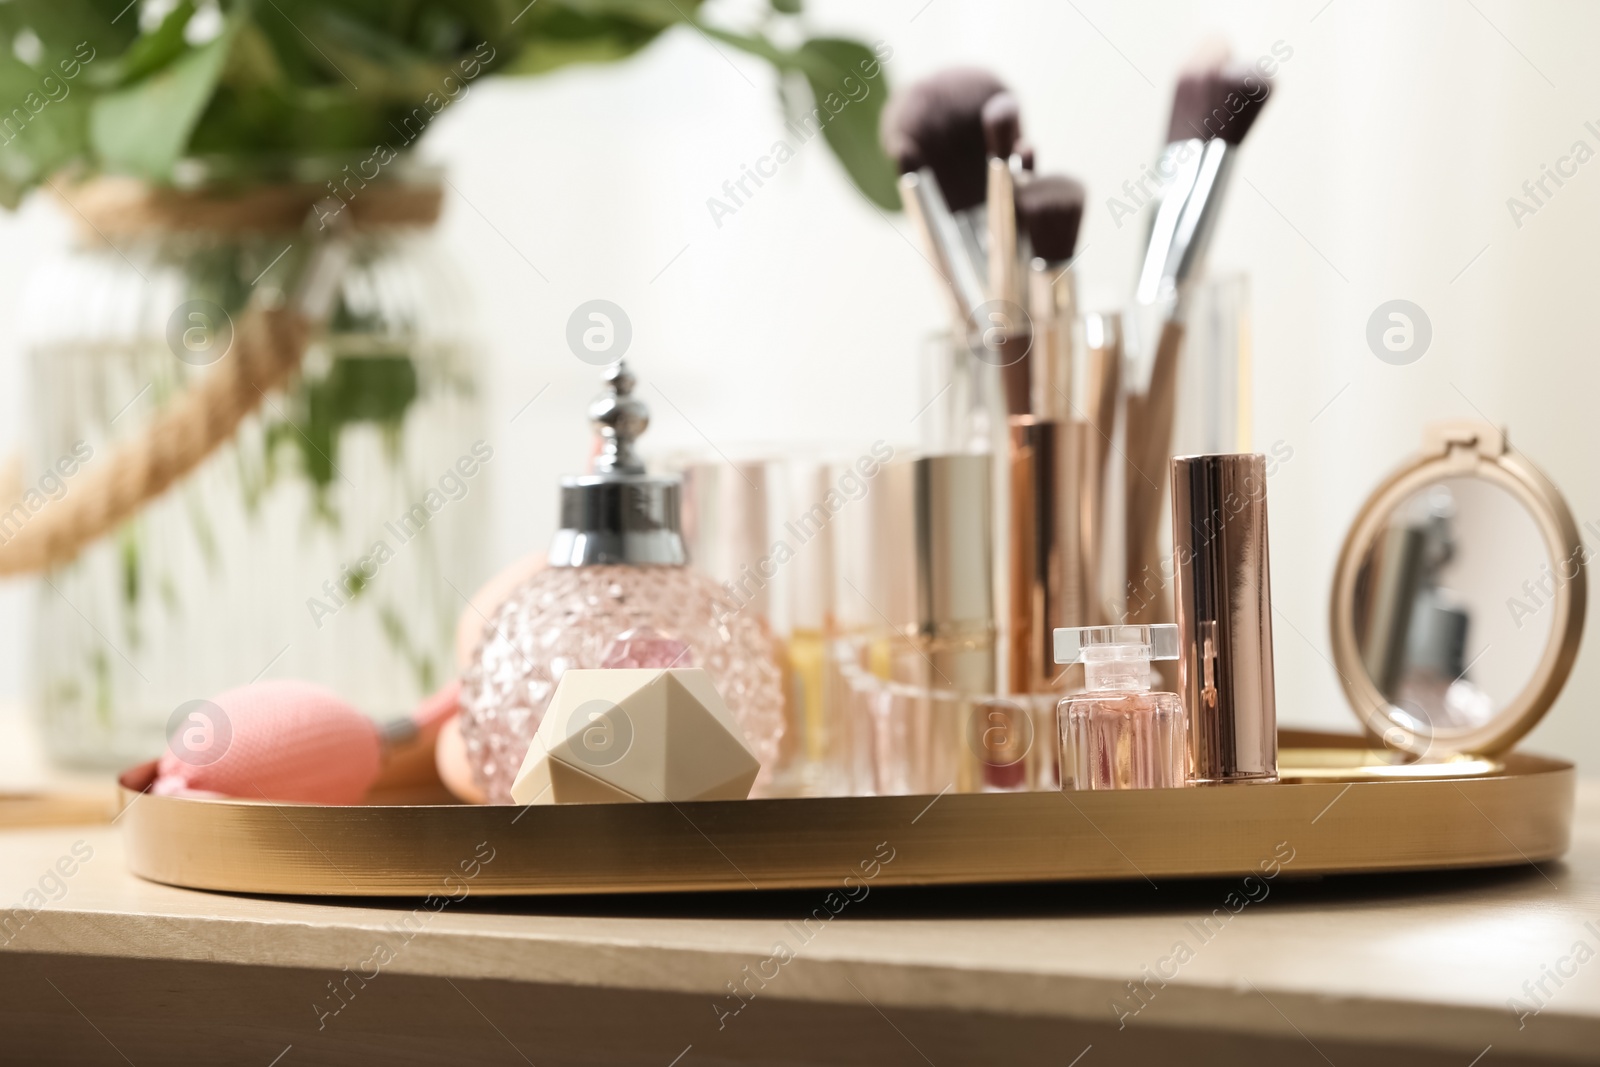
[(295, 742)]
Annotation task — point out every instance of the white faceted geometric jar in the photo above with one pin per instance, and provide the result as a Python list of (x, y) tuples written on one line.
[(615, 736)]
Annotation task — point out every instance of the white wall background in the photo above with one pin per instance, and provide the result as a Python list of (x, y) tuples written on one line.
[(1381, 170)]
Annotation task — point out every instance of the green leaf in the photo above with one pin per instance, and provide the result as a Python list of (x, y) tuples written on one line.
[(382, 65), (378, 388), (42, 127), (541, 56), (849, 88), (43, 107), (144, 129), (654, 13), (756, 46), (561, 36), (84, 29), (253, 64), (148, 53), (281, 82)]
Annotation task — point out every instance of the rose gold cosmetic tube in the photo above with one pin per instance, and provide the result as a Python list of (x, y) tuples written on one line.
[(725, 526), (1046, 570), (939, 556), (1224, 611), (1056, 497)]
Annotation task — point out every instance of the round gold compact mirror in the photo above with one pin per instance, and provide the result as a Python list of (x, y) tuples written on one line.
[(1459, 598)]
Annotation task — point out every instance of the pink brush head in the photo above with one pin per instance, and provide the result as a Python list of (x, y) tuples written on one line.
[(281, 741)]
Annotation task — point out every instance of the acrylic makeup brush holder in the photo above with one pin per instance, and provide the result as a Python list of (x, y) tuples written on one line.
[(1213, 410), (1210, 413), (1102, 389), (910, 738), (1213, 407)]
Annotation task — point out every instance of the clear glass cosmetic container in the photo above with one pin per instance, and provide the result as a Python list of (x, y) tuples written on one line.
[(1118, 733)]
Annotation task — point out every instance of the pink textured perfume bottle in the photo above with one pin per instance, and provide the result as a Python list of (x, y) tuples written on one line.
[(1117, 733), (616, 593)]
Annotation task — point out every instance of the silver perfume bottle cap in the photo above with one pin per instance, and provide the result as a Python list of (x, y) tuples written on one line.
[(618, 514)]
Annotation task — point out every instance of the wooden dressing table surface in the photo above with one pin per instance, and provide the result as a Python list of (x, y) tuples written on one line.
[(98, 966)]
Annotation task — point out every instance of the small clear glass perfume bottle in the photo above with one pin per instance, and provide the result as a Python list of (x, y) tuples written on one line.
[(1117, 733)]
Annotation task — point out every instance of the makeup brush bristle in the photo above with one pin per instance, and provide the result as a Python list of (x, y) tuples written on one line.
[(1050, 211), (938, 123), (907, 157), (1002, 124), (1217, 101)]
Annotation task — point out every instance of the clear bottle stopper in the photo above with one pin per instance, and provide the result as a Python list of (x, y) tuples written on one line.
[(1116, 657)]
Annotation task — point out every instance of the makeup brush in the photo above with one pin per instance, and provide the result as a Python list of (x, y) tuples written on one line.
[(1214, 107), (938, 124), (1049, 212), (1008, 335), (1001, 116), (1002, 128), (935, 131), (934, 128), (1046, 582)]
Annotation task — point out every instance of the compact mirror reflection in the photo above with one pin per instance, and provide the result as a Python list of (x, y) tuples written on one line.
[(1453, 606)]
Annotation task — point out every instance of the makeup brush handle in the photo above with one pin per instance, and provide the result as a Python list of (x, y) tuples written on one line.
[(970, 228), (1052, 305), (1002, 224), (914, 198), (957, 263), (1094, 417), (1102, 380), (1017, 353), (1149, 440)]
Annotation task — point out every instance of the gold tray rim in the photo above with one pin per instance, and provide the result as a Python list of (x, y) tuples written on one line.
[(1520, 812)]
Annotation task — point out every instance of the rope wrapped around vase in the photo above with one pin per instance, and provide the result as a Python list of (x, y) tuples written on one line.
[(268, 343)]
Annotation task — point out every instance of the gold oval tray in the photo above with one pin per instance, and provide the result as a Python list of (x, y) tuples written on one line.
[(1340, 809)]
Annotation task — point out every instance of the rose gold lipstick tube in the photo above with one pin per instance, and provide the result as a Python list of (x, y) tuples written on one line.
[(1224, 610)]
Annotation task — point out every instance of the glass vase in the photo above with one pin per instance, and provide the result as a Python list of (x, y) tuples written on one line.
[(323, 542)]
